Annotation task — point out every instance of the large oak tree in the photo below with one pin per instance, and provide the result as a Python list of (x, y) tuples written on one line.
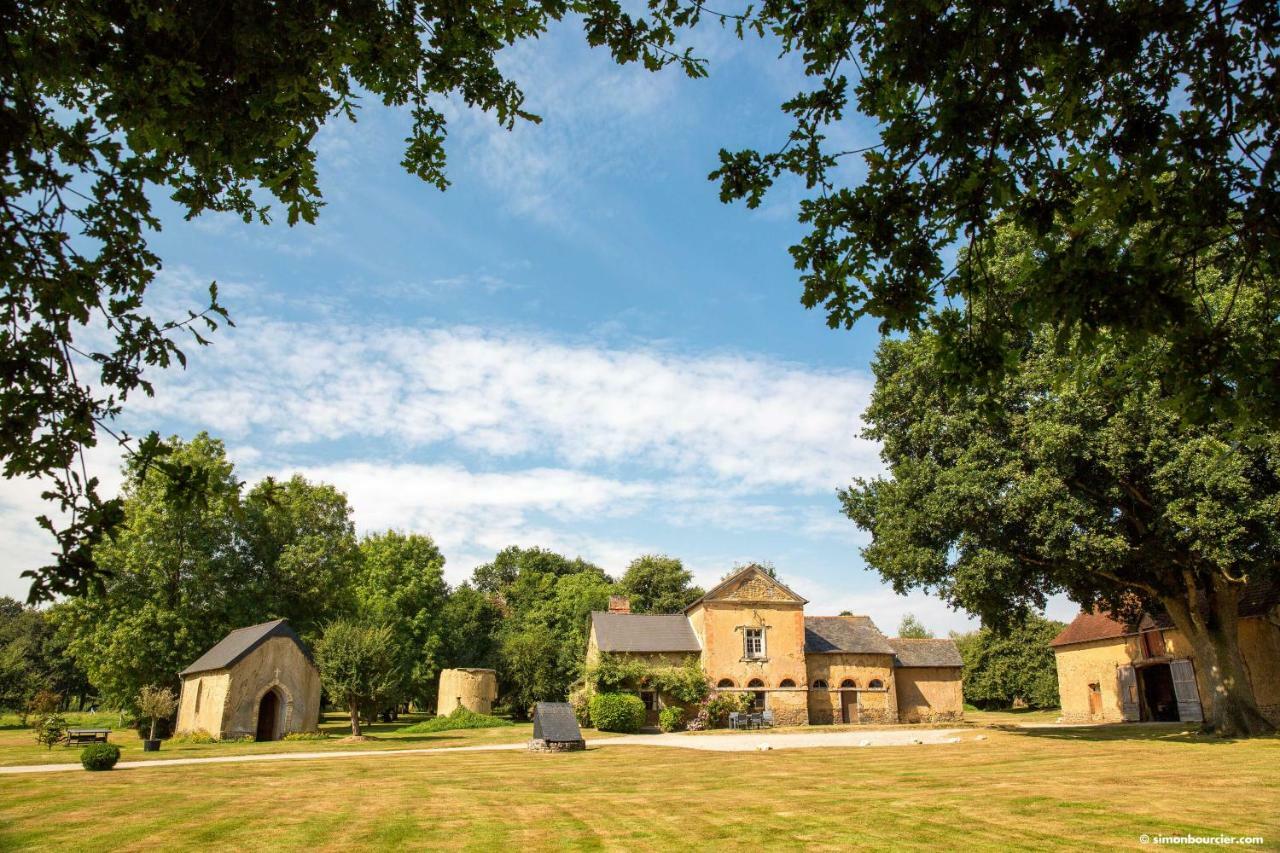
[(1076, 475)]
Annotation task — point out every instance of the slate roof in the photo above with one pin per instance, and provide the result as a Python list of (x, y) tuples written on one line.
[(909, 651), (240, 642), (644, 632), (834, 634), (1258, 600), (554, 721)]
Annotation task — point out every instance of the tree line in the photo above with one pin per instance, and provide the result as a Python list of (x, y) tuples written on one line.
[(189, 565)]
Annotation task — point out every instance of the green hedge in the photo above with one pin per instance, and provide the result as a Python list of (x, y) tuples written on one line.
[(100, 756), (617, 712)]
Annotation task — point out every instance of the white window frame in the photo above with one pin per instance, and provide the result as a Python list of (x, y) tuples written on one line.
[(749, 634)]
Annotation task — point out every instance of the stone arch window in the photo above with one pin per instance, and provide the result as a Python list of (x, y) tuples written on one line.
[(757, 698), (848, 682), (787, 682), (725, 682), (876, 684), (819, 684), (199, 692)]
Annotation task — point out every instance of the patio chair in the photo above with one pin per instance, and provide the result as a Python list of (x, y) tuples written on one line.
[(733, 720), (767, 718)]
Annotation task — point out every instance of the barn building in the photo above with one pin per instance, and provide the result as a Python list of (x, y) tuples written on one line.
[(1110, 671), (257, 682)]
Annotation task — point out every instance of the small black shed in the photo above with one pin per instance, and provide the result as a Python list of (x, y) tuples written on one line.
[(555, 729)]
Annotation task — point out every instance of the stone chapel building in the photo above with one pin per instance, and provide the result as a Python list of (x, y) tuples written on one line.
[(257, 682), (750, 634)]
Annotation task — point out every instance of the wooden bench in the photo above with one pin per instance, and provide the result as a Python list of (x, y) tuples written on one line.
[(75, 737)]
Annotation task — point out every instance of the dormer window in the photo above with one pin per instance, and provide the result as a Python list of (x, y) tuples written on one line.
[(753, 643)]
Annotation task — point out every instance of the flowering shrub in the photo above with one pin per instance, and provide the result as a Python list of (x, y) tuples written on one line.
[(671, 719)]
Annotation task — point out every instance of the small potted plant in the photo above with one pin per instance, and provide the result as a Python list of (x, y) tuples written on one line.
[(156, 703)]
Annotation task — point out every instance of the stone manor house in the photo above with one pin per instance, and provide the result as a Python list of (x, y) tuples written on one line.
[(750, 634)]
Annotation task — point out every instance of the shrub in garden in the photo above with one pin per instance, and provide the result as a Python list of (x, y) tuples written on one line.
[(671, 719), (580, 701), (617, 712), (51, 729), (157, 703), (100, 756), (197, 736)]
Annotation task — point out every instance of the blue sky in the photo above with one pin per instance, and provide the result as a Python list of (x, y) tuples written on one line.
[(576, 346)]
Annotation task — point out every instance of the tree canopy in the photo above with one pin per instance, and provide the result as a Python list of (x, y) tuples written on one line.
[(1089, 484), (218, 106), (188, 566), (401, 584), (656, 583), (1002, 668), (912, 628), (1126, 139), (1158, 118)]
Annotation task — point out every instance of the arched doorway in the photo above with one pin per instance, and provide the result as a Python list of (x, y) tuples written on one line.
[(268, 714)]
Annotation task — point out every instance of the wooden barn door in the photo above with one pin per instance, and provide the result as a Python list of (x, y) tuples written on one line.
[(1184, 687), (1127, 681)]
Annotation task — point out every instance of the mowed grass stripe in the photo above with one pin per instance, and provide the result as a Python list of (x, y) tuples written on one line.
[(1018, 790)]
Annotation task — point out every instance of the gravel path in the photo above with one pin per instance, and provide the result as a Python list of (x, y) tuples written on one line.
[(714, 743)]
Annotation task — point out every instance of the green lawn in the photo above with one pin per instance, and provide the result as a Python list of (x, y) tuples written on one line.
[(18, 745), (1011, 717), (1075, 788)]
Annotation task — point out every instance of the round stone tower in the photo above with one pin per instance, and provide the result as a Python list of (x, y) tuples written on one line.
[(473, 689)]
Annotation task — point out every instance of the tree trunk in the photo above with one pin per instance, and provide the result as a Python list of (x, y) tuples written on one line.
[(153, 728), (355, 718), (1208, 618)]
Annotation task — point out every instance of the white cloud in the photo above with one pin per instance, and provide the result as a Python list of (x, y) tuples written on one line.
[(733, 419)]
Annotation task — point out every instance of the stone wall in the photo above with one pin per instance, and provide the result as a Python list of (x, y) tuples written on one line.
[(1082, 664), (721, 625), (277, 664), (202, 702), (869, 705), (790, 707), (540, 745), (473, 689), (1092, 663), (929, 694)]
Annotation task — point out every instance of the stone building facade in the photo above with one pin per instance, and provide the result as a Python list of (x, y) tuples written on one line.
[(257, 682), (1109, 671), (750, 634)]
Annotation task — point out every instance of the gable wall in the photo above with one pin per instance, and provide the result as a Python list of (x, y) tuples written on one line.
[(722, 642), (1085, 663), (298, 681)]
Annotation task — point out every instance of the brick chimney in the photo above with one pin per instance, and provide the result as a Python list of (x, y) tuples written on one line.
[(619, 604)]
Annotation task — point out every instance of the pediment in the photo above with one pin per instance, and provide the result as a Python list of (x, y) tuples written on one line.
[(753, 585)]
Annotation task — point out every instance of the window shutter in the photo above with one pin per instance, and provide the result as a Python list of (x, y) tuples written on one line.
[(1184, 687), (1128, 683)]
